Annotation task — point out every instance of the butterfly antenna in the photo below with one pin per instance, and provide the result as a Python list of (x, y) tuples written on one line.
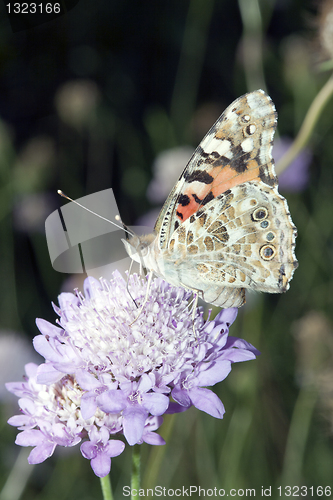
[(125, 228)]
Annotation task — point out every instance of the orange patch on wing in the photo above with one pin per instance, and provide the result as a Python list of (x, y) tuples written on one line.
[(193, 206), (224, 178), (228, 178)]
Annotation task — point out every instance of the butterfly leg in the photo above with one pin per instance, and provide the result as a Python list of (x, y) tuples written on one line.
[(195, 299), (150, 277), (194, 309), (127, 285)]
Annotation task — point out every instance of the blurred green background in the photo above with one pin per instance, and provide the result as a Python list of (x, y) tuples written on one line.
[(90, 100)]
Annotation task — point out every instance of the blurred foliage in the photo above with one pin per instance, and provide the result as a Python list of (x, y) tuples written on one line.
[(87, 101)]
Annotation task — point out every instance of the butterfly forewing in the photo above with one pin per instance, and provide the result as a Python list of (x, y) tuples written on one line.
[(236, 149)]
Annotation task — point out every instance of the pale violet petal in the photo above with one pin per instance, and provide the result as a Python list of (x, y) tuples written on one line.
[(134, 419), (207, 401), (155, 403), (218, 371)]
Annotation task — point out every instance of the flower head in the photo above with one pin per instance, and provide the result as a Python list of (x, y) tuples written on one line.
[(105, 375)]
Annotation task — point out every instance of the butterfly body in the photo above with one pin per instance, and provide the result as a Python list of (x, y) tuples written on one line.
[(224, 226)]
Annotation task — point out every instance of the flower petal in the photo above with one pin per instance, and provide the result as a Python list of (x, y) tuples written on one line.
[(153, 438), (32, 437), (134, 419), (86, 380), (112, 401), (41, 453), (46, 328), (88, 405), (227, 316), (114, 447), (89, 450), (181, 396), (101, 465), (155, 403), (207, 401), (66, 300), (218, 371), (241, 344), (47, 374), (90, 286), (44, 348)]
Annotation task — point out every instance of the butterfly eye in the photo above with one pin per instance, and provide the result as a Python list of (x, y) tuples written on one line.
[(260, 214), (142, 249), (267, 252), (264, 224), (270, 236)]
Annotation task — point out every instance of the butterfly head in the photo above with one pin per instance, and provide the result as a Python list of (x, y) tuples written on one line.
[(137, 247)]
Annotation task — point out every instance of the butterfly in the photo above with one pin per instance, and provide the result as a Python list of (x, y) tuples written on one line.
[(224, 227)]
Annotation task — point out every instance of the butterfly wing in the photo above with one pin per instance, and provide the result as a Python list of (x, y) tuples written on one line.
[(244, 238), (225, 227), (236, 149)]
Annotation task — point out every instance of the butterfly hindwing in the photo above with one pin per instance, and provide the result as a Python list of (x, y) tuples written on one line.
[(242, 239)]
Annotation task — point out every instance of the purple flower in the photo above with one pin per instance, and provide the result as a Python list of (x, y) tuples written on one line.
[(105, 375), (100, 449)]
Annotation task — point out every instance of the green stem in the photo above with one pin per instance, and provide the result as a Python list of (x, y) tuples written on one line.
[(157, 453), (135, 479), (308, 125), (297, 437), (190, 65), (252, 44), (106, 488), (18, 477)]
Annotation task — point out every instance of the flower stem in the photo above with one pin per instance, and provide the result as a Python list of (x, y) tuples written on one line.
[(308, 125), (135, 479), (252, 44), (106, 488)]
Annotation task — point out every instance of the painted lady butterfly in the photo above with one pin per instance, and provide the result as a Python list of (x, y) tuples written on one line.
[(224, 226)]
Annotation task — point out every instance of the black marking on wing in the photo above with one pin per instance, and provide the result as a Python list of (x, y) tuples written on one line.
[(271, 180), (240, 162), (281, 276), (183, 200), (209, 197), (199, 176)]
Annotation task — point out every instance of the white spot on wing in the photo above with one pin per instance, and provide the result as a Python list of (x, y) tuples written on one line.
[(211, 144), (266, 148), (260, 103), (247, 145), (230, 115)]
